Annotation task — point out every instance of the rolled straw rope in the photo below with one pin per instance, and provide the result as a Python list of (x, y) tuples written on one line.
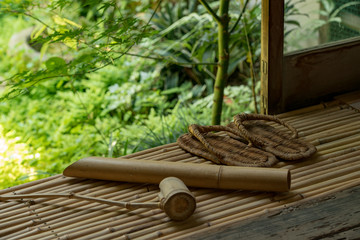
[(240, 118)]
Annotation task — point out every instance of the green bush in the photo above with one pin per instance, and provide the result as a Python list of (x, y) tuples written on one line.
[(128, 104)]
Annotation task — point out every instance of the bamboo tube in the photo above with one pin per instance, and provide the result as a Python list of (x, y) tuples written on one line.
[(195, 175)]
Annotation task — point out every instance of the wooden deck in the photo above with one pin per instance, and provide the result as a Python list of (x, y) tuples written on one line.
[(327, 183)]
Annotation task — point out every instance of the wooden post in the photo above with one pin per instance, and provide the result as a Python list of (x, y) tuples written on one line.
[(272, 39)]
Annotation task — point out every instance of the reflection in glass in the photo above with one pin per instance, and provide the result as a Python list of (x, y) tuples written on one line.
[(310, 23)]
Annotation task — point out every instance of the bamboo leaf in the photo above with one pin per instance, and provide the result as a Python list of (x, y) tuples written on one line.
[(37, 34)]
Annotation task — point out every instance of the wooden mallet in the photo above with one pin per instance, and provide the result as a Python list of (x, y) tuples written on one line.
[(175, 199)]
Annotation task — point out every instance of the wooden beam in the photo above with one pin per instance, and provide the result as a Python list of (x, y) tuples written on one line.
[(318, 74), (272, 39), (331, 217)]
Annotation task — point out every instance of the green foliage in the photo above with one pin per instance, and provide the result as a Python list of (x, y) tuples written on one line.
[(85, 90)]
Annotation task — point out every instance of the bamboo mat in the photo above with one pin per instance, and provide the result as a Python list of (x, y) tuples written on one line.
[(333, 128)]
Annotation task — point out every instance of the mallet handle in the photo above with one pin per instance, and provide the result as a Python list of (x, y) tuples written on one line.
[(128, 205)]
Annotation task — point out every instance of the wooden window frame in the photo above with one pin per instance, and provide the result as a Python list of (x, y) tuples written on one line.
[(305, 77)]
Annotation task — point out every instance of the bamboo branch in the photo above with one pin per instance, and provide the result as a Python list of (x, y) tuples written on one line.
[(211, 11), (223, 55), (240, 16), (168, 60), (252, 71)]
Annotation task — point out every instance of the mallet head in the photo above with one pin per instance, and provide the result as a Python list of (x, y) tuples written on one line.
[(176, 199)]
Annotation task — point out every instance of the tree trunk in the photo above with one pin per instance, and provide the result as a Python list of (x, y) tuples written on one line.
[(223, 55)]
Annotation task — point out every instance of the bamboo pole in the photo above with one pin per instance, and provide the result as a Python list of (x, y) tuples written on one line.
[(223, 56), (195, 175)]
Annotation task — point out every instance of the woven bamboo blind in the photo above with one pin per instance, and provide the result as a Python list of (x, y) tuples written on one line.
[(333, 128)]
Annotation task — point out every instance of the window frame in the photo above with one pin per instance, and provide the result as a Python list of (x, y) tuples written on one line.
[(306, 77)]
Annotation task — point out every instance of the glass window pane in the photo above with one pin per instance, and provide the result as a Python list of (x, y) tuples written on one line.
[(311, 23)]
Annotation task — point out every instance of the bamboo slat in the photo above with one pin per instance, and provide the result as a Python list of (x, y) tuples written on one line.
[(333, 128)]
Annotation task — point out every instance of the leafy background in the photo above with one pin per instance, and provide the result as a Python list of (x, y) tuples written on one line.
[(109, 78)]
